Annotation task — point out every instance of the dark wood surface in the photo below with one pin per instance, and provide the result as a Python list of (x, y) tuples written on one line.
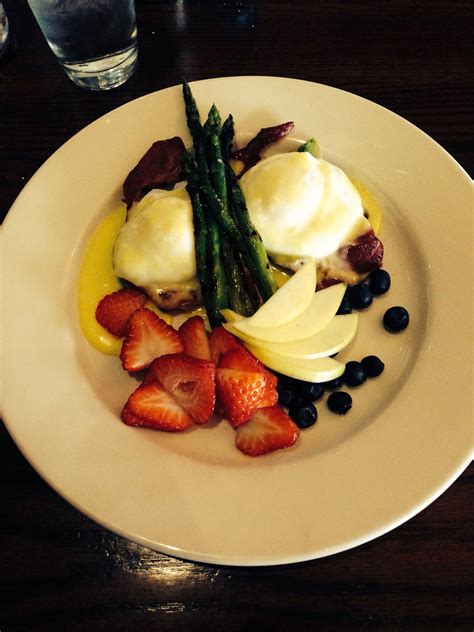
[(61, 571)]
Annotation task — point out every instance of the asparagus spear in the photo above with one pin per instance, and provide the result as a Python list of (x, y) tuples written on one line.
[(241, 233), (207, 249), (192, 114)]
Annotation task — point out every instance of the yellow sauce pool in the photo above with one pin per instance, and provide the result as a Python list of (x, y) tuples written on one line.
[(370, 205)]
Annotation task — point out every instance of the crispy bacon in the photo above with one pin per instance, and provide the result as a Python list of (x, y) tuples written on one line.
[(351, 263), (160, 165), (250, 154)]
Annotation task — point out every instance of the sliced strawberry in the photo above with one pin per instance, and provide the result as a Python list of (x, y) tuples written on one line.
[(194, 336), (151, 406), (269, 429), (191, 382), (147, 338), (239, 393), (129, 418), (220, 341), (114, 310), (241, 359)]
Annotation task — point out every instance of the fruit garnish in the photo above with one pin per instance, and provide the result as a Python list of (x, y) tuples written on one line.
[(240, 393), (114, 310), (221, 341), (268, 429), (189, 381), (194, 336), (310, 370), (147, 337), (320, 311), (151, 406), (289, 300), (242, 360)]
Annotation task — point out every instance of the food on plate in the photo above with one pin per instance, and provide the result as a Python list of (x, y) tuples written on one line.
[(339, 402), (278, 249), (147, 337), (318, 314), (97, 279), (307, 209), (154, 249), (303, 413), (396, 319), (373, 366), (354, 373)]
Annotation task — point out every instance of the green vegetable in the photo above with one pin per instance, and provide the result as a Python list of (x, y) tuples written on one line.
[(312, 147)]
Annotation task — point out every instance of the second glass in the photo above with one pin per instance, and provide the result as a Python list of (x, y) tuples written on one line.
[(95, 41)]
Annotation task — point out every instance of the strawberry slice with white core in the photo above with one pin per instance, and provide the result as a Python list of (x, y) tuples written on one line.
[(151, 406), (190, 382), (268, 429), (194, 336), (240, 393), (147, 338)]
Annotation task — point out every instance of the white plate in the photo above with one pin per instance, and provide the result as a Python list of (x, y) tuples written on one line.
[(194, 495)]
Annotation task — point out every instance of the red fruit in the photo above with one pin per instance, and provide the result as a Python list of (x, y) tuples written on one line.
[(269, 429), (241, 359), (147, 338), (194, 336), (114, 310), (129, 418), (191, 383), (240, 393), (151, 406), (220, 341)]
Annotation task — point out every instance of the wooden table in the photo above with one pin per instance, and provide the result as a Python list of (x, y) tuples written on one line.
[(61, 571)]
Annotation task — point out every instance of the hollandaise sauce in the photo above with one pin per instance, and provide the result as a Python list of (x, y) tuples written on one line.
[(370, 205)]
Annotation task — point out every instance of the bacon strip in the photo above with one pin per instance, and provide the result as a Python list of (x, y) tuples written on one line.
[(250, 154), (160, 165)]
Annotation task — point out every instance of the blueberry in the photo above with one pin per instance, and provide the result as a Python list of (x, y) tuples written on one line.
[(379, 282), (396, 319), (303, 413), (339, 403), (373, 366), (332, 385), (354, 375), (361, 296), (285, 396), (346, 306), (310, 391)]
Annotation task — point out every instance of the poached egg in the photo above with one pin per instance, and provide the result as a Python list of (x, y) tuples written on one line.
[(154, 249), (303, 207)]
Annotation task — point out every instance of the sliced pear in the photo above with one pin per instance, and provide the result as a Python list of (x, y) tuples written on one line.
[(335, 336), (289, 300), (317, 315), (314, 370)]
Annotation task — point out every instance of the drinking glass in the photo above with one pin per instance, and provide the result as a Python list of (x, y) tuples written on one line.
[(95, 41)]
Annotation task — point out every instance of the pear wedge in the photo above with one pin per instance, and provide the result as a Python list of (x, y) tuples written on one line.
[(321, 310), (313, 370), (337, 334), (289, 300)]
